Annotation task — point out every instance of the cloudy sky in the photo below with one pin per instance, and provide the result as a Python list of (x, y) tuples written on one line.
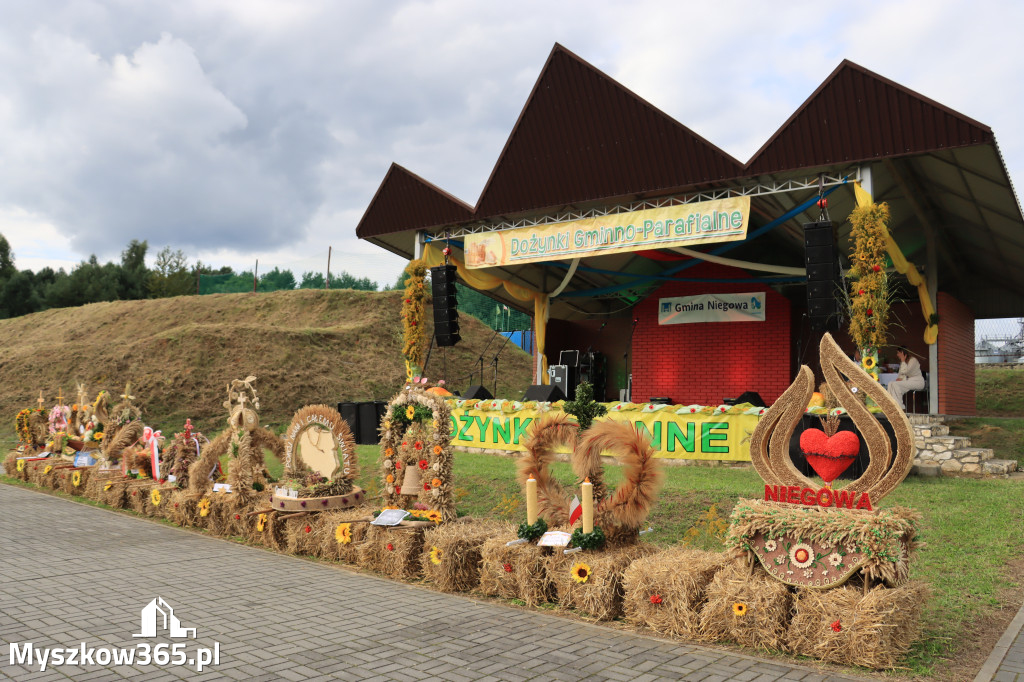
[(245, 129)]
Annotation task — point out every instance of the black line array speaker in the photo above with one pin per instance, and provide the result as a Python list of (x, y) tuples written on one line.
[(446, 307), (824, 277)]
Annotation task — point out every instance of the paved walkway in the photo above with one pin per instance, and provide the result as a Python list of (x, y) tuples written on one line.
[(73, 574)]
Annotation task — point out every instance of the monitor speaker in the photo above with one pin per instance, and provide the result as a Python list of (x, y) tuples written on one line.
[(446, 305), (477, 393), (544, 394)]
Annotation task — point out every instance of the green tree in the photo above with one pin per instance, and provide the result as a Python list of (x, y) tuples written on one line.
[(312, 280), (134, 275), (18, 295), (276, 280), (7, 269), (346, 281), (170, 275)]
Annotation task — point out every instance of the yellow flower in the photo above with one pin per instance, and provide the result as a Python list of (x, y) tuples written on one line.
[(76, 479), (739, 609), (435, 425), (389, 478), (387, 424), (204, 507), (261, 523), (343, 533), (580, 572), (48, 469), (868, 362), (21, 465), (433, 515), (107, 487), (410, 412), (154, 497), (98, 436), (435, 555)]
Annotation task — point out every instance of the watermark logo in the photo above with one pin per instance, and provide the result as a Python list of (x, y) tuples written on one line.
[(157, 620), (158, 613)]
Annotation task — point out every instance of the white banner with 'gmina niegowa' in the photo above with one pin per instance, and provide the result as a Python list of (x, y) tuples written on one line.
[(712, 308)]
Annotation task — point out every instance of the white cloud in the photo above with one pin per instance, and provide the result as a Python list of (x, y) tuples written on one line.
[(238, 128)]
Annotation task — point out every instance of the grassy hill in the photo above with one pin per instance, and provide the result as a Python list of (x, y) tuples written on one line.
[(305, 346)]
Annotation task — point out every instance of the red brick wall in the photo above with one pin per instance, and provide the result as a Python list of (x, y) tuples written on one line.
[(956, 357), (707, 362)]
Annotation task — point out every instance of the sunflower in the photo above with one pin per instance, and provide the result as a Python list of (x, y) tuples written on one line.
[(868, 362), (580, 572), (48, 469), (343, 533), (98, 436), (21, 465), (76, 479), (433, 515), (107, 487), (204, 506), (438, 449), (410, 412), (154, 497), (435, 555), (739, 609), (261, 523)]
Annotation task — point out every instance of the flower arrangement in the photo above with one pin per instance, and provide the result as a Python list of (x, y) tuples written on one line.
[(204, 507), (580, 572), (412, 317), (343, 533), (436, 554), (869, 284), (154, 497)]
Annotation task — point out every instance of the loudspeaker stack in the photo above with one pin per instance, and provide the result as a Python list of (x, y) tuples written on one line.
[(446, 307), (824, 277)]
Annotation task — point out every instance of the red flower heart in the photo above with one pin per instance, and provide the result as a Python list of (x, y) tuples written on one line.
[(507, 567), (829, 456), (391, 547), (655, 598), (836, 626)]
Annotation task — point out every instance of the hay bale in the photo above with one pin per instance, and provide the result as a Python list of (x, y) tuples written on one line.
[(223, 509), (751, 609), (299, 537), (160, 499), (516, 572), (341, 545), (665, 590), (112, 492), (137, 496), (395, 552), (187, 507), (451, 555), (11, 465), (68, 484), (600, 595), (97, 480), (845, 626)]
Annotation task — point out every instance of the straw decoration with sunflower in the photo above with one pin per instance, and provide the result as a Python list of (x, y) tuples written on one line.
[(204, 506), (435, 555), (343, 533), (580, 572)]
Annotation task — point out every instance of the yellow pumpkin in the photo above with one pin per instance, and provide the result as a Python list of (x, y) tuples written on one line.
[(817, 400)]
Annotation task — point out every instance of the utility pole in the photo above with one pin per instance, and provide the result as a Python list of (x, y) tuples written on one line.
[(327, 284), (255, 275)]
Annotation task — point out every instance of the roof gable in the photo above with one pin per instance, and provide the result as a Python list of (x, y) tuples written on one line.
[(405, 201), (582, 136), (856, 115)]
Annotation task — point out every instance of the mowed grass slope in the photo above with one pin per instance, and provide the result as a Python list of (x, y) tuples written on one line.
[(305, 346)]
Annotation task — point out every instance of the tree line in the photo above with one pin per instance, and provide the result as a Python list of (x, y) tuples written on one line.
[(24, 291)]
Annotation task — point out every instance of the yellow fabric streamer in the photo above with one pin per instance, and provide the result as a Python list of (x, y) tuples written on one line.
[(905, 267), (480, 280)]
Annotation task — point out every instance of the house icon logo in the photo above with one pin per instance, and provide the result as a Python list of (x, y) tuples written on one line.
[(158, 614), (666, 306)]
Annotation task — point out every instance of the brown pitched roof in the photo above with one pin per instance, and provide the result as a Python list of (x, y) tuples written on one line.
[(405, 201), (582, 136), (856, 115)]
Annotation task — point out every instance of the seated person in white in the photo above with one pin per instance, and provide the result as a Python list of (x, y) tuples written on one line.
[(909, 379)]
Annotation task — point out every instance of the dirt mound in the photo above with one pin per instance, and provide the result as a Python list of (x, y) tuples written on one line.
[(305, 346)]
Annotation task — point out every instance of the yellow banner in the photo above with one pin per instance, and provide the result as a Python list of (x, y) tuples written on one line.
[(721, 220), (673, 436)]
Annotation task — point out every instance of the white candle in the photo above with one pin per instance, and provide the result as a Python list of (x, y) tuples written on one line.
[(588, 506), (531, 500)]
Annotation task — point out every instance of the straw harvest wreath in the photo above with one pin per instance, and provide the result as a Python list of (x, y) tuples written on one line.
[(416, 455), (619, 514), (244, 440), (324, 481), (815, 536)]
